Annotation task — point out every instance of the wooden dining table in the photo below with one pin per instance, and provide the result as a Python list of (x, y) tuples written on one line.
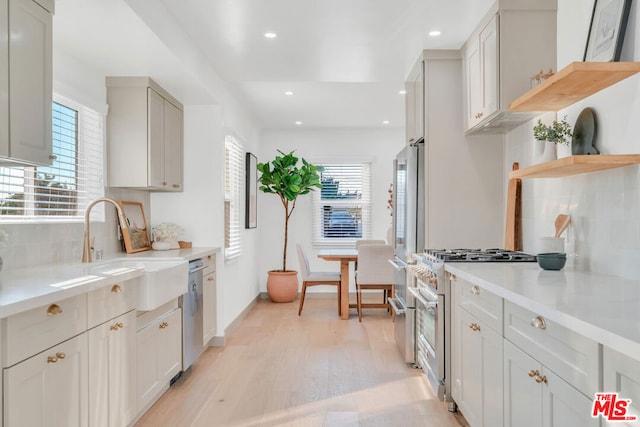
[(344, 256)]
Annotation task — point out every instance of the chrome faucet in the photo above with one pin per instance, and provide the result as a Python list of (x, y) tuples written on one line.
[(86, 249)]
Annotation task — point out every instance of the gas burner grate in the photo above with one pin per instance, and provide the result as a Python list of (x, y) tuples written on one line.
[(479, 255)]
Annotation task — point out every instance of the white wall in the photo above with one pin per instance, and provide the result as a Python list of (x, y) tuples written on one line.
[(605, 206), (377, 146), (199, 209)]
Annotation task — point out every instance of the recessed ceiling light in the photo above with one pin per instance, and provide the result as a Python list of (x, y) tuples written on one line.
[(288, 93), (298, 123), (402, 92), (385, 122), (434, 33), (270, 35)]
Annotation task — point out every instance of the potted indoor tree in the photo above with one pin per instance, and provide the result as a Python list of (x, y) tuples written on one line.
[(284, 178)]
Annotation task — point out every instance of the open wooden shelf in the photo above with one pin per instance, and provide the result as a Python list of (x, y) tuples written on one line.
[(571, 84), (574, 165)]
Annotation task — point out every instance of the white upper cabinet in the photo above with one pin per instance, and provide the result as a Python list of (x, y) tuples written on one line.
[(514, 41), (144, 134), (414, 103), (25, 82)]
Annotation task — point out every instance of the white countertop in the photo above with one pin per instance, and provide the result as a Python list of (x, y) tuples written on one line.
[(603, 308), (25, 289), (187, 254)]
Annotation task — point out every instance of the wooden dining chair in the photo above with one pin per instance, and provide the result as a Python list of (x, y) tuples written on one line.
[(374, 272), (312, 278)]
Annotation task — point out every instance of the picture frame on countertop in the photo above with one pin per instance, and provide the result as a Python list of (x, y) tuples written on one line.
[(606, 31), (251, 197), (135, 232)]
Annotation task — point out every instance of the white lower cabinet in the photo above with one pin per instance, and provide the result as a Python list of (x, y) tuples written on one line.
[(512, 367), (622, 375), (209, 300), (534, 396), (50, 388), (159, 355), (112, 349), (477, 385)]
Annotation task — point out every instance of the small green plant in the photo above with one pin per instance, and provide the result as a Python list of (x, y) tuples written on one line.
[(559, 132)]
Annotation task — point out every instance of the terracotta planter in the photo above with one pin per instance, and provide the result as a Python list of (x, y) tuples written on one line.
[(282, 286)]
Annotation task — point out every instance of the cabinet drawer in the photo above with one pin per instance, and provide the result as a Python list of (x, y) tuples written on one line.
[(209, 264), (111, 301), (35, 330), (486, 306), (572, 356)]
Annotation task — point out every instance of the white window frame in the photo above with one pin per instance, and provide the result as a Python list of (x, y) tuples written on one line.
[(364, 203), (233, 196), (89, 169)]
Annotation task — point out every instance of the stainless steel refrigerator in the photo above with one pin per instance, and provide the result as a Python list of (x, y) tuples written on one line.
[(408, 236)]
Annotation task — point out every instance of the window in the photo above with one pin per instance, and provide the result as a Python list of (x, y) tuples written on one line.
[(342, 209), (233, 179), (62, 190)]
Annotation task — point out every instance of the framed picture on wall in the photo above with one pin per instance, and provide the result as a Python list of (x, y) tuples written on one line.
[(606, 32), (251, 200)]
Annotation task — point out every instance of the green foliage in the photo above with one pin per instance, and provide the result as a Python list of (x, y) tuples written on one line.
[(558, 132), (285, 178)]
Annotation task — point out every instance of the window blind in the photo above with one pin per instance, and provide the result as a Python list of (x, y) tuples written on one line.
[(233, 184), (342, 208), (62, 190)]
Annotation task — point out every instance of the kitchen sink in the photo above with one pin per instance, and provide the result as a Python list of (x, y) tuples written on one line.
[(162, 281)]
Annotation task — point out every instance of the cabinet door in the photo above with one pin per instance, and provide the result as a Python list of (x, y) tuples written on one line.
[(522, 394), (170, 346), (474, 81), (479, 373), (209, 307), (173, 146), (4, 80), (490, 69), (622, 376), (155, 134), (414, 103), (112, 372), (563, 405), (50, 388), (30, 82), (148, 380)]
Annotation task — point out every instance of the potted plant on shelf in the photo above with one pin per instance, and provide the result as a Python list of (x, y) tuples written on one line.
[(284, 178), (558, 132)]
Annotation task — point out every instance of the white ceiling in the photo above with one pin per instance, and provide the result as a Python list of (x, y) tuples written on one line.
[(344, 60)]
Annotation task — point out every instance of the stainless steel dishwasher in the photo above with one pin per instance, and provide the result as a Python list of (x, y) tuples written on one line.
[(191, 303)]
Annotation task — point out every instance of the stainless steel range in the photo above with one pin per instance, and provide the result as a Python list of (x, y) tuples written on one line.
[(432, 295)]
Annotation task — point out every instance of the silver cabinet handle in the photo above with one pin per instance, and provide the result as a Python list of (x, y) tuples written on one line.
[(475, 290)]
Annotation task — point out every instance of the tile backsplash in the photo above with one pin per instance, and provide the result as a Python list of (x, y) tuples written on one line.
[(36, 244), (604, 235)]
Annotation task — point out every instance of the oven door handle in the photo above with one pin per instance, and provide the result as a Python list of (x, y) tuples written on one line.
[(397, 266), (420, 298), (394, 302)]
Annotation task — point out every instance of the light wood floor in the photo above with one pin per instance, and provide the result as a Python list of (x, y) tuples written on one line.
[(279, 369)]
